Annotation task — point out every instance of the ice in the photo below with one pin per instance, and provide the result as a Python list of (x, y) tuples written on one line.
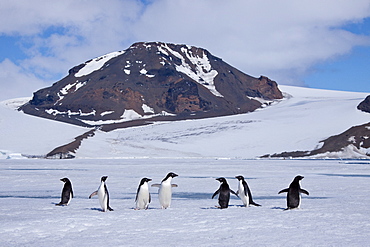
[(336, 213)]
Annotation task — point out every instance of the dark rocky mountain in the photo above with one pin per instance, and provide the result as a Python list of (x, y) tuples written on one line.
[(365, 105), (355, 138), (151, 82)]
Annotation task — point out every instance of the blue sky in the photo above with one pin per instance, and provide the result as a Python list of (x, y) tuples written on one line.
[(318, 44)]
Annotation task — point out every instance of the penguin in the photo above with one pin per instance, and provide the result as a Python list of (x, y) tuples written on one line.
[(224, 193), (143, 195), (165, 190), (67, 193), (103, 195), (244, 192), (294, 193)]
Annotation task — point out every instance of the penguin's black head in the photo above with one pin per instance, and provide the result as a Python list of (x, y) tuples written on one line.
[(240, 177), (222, 180), (65, 180), (298, 178), (104, 178), (171, 174), (145, 180)]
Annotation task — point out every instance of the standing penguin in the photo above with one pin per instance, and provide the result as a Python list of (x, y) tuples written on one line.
[(244, 192), (143, 195), (103, 195), (165, 190), (294, 193), (224, 193), (67, 193)]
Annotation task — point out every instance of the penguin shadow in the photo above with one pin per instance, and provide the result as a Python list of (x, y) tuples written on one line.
[(242, 206), (191, 195), (230, 206), (149, 208), (279, 208), (57, 204), (95, 209), (215, 207)]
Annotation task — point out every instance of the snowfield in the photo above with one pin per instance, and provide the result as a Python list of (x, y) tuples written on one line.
[(298, 122), (336, 213)]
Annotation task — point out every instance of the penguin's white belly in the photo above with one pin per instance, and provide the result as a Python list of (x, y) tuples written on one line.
[(165, 195), (242, 195), (70, 198), (143, 197), (103, 199)]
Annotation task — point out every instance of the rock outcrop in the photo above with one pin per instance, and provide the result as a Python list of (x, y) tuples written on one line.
[(355, 141), (365, 105)]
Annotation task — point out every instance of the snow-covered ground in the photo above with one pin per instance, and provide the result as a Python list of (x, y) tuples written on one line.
[(25, 134), (298, 122), (336, 213)]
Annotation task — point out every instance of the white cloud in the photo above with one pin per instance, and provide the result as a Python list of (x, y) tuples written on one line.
[(269, 37), (15, 82), (279, 39), (61, 34)]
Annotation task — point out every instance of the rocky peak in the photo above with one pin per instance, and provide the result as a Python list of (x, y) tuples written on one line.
[(150, 82)]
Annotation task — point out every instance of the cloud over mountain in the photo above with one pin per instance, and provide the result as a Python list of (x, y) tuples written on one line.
[(282, 40)]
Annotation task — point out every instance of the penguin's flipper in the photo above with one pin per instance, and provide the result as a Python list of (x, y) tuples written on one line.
[(304, 191), (234, 193), (284, 190), (214, 194), (156, 185), (174, 185), (93, 194)]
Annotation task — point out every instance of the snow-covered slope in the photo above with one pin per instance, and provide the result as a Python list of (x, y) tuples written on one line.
[(298, 122), (25, 134)]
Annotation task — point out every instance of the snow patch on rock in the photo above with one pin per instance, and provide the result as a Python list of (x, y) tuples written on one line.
[(97, 63), (202, 73)]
